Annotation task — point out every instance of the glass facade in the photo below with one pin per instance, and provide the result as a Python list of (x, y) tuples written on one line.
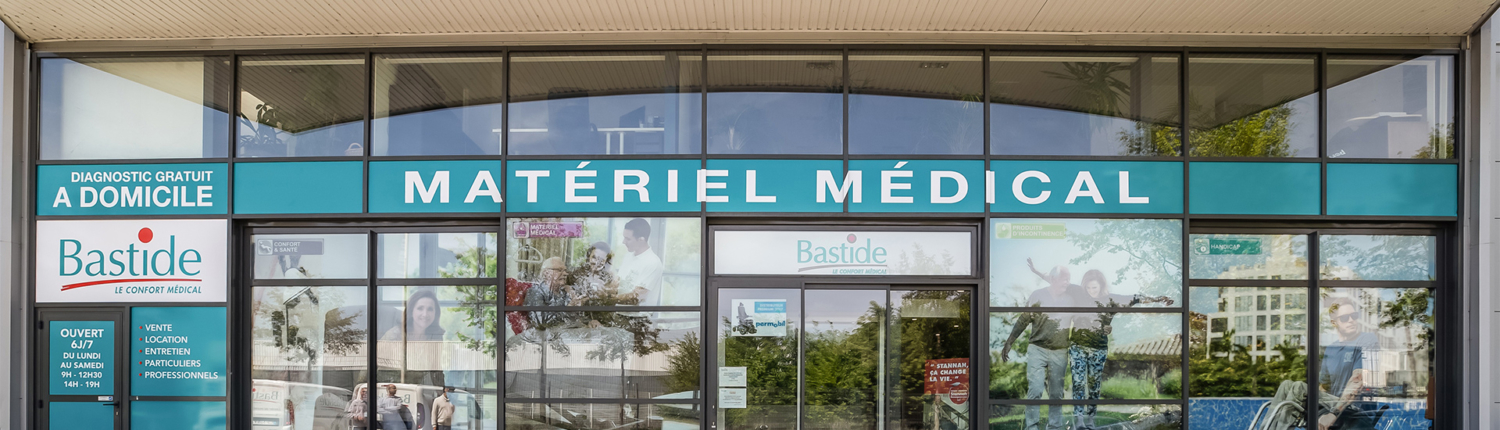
[(784, 239)]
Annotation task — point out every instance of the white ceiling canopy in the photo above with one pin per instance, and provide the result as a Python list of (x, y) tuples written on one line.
[(197, 24)]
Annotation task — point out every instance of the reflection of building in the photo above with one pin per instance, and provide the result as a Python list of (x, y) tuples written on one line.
[(1260, 318)]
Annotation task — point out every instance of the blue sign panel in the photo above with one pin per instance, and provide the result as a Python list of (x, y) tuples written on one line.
[(1087, 186), (82, 358), (609, 186), (178, 351), (300, 187), (1393, 189), (1254, 188), (132, 189), (917, 186), (435, 186), (80, 415), (179, 416), (775, 185)]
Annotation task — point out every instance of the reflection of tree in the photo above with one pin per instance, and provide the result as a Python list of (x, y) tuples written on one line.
[(770, 364), (1260, 134), (1412, 309), (919, 262), (683, 364), (1220, 368), (339, 336), (1390, 258), (1439, 143), (1155, 258), (476, 303)]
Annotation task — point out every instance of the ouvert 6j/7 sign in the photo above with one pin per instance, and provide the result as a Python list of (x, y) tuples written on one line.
[(131, 261)]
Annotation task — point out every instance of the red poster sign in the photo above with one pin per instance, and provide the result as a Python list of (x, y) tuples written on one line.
[(948, 376)]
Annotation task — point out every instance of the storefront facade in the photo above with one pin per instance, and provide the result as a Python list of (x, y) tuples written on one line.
[(851, 236)]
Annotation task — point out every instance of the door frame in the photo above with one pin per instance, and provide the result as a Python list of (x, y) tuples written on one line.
[(42, 372)]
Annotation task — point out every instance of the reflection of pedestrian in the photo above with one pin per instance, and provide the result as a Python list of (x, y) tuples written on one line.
[(640, 276), (1089, 338), (1341, 372), (389, 409), (1046, 358), (442, 411), (358, 410), (421, 332)]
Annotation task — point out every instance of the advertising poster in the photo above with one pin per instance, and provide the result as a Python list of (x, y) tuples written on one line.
[(758, 318), (131, 261), (603, 262), (947, 377), (843, 253), (1130, 262)]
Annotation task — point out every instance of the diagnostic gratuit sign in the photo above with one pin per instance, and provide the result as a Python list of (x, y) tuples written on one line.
[(131, 261), (132, 189), (82, 358)]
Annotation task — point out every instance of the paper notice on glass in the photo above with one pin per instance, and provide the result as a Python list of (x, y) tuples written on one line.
[(732, 377), (732, 398)]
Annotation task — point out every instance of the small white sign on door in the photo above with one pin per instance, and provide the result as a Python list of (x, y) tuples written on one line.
[(732, 377), (732, 398)]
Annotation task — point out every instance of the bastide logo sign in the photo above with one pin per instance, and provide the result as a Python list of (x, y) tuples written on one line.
[(842, 253), (131, 261)]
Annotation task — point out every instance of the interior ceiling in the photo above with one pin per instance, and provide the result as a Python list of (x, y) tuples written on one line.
[(723, 21)]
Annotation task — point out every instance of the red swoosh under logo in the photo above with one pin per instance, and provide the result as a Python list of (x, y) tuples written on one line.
[(122, 281)]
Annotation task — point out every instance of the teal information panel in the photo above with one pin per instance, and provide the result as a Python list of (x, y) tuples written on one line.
[(435, 186), (180, 416), (132, 189), (299, 187), (178, 351), (80, 415), (82, 358), (1257, 188), (1393, 189)]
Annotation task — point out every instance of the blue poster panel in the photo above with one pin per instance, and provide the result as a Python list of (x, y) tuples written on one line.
[(178, 351), (82, 358), (178, 416), (80, 415), (132, 189)]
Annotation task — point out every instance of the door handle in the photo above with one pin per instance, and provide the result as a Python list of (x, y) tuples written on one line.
[(115, 404)]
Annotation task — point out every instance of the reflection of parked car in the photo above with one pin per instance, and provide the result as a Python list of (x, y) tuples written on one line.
[(281, 405)]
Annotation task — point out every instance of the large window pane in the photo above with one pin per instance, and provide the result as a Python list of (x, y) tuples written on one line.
[(1044, 355), (1084, 104), (604, 262), (749, 338), (307, 357), (1085, 262), (916, 103), (447, 104), (1248, 256), (1378, 258), (301, 106), (437, 347), (929, 333), (121, 108), (307, 256), (1253, 106), (437, 255), (1136, 417), (602, 355), (1390, 106), (606, 103), (768, 102), (1237, 366), (621, 416), (842, 358), (1376, 355)]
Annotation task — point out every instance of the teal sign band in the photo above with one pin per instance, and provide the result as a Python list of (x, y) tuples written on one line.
[(774, 185), (181, 416), (918, 186), (1254, 188), (82, 358), (132, 189), (1087, 186), (80, 415), (299, 187), (607, 186), (1393, 189), (436, 186), (178, 351)]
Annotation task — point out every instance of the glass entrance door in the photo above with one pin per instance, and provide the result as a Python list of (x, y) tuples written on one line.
[(80, 385), (843, 357)]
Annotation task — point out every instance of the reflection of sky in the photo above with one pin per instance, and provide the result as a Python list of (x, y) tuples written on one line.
[(839, 309), (912, 125), (1011, 282), (1360, 247), (775, 123), (1029, 130)]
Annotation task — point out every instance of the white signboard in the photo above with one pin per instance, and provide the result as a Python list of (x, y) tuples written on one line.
[(844, 253), (131, 261), (762, 318), (732, 398), (733, 377)]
